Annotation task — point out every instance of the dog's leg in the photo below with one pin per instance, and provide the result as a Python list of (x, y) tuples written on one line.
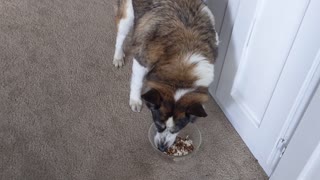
[(138, 73), (124, 20)]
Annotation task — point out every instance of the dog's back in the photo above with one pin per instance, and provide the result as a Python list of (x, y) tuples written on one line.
[(167, 33)]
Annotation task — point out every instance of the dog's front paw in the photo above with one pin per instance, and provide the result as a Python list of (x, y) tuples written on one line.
[(136, 105), (118, 62), (118, 59)]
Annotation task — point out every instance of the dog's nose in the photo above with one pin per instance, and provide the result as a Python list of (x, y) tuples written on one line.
[(162, 147)]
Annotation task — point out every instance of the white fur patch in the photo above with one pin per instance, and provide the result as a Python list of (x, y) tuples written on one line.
[(124, 27), (181, 92), (217, 39), (138, 73), (126, 23), (169, 123), (207, 11), (165, 137), (203, 70)]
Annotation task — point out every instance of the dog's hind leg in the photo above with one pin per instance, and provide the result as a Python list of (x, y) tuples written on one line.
[(138, 73), (124, 20)]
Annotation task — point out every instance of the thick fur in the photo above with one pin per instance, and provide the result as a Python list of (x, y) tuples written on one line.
[(174, 44), (170, 30)]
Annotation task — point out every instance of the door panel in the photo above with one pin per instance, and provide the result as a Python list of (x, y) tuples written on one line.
[(264, 57), (258, 67)]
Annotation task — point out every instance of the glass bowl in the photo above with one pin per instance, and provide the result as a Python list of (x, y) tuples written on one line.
[(191, 130)]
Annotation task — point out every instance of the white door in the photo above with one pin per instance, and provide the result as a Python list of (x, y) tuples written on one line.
[(302, 158), (266, 70)]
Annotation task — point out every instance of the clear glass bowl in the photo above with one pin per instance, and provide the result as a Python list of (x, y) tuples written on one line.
[(190, 130)]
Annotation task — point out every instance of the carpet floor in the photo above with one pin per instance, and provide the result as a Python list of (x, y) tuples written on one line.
[(64, 110)]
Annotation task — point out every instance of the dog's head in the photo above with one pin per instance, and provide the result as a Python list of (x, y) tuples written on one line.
[(170, 114)]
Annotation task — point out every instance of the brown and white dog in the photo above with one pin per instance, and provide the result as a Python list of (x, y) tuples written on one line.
[(174, 45)]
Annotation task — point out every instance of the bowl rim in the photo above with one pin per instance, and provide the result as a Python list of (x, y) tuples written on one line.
[(175, 157)]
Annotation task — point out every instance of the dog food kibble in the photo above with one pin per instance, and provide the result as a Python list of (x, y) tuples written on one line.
[(181, 147)]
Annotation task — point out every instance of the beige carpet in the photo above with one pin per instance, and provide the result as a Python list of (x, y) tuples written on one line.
[(64, 109)]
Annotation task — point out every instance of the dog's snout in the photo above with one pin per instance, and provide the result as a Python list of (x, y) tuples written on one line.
[(164, 140), (162, 147)]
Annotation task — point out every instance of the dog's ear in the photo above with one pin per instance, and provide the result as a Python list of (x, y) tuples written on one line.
[(153, 98), (196, 110)]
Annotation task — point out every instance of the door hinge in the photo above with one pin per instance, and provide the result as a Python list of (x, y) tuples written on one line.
[(282, 146)]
